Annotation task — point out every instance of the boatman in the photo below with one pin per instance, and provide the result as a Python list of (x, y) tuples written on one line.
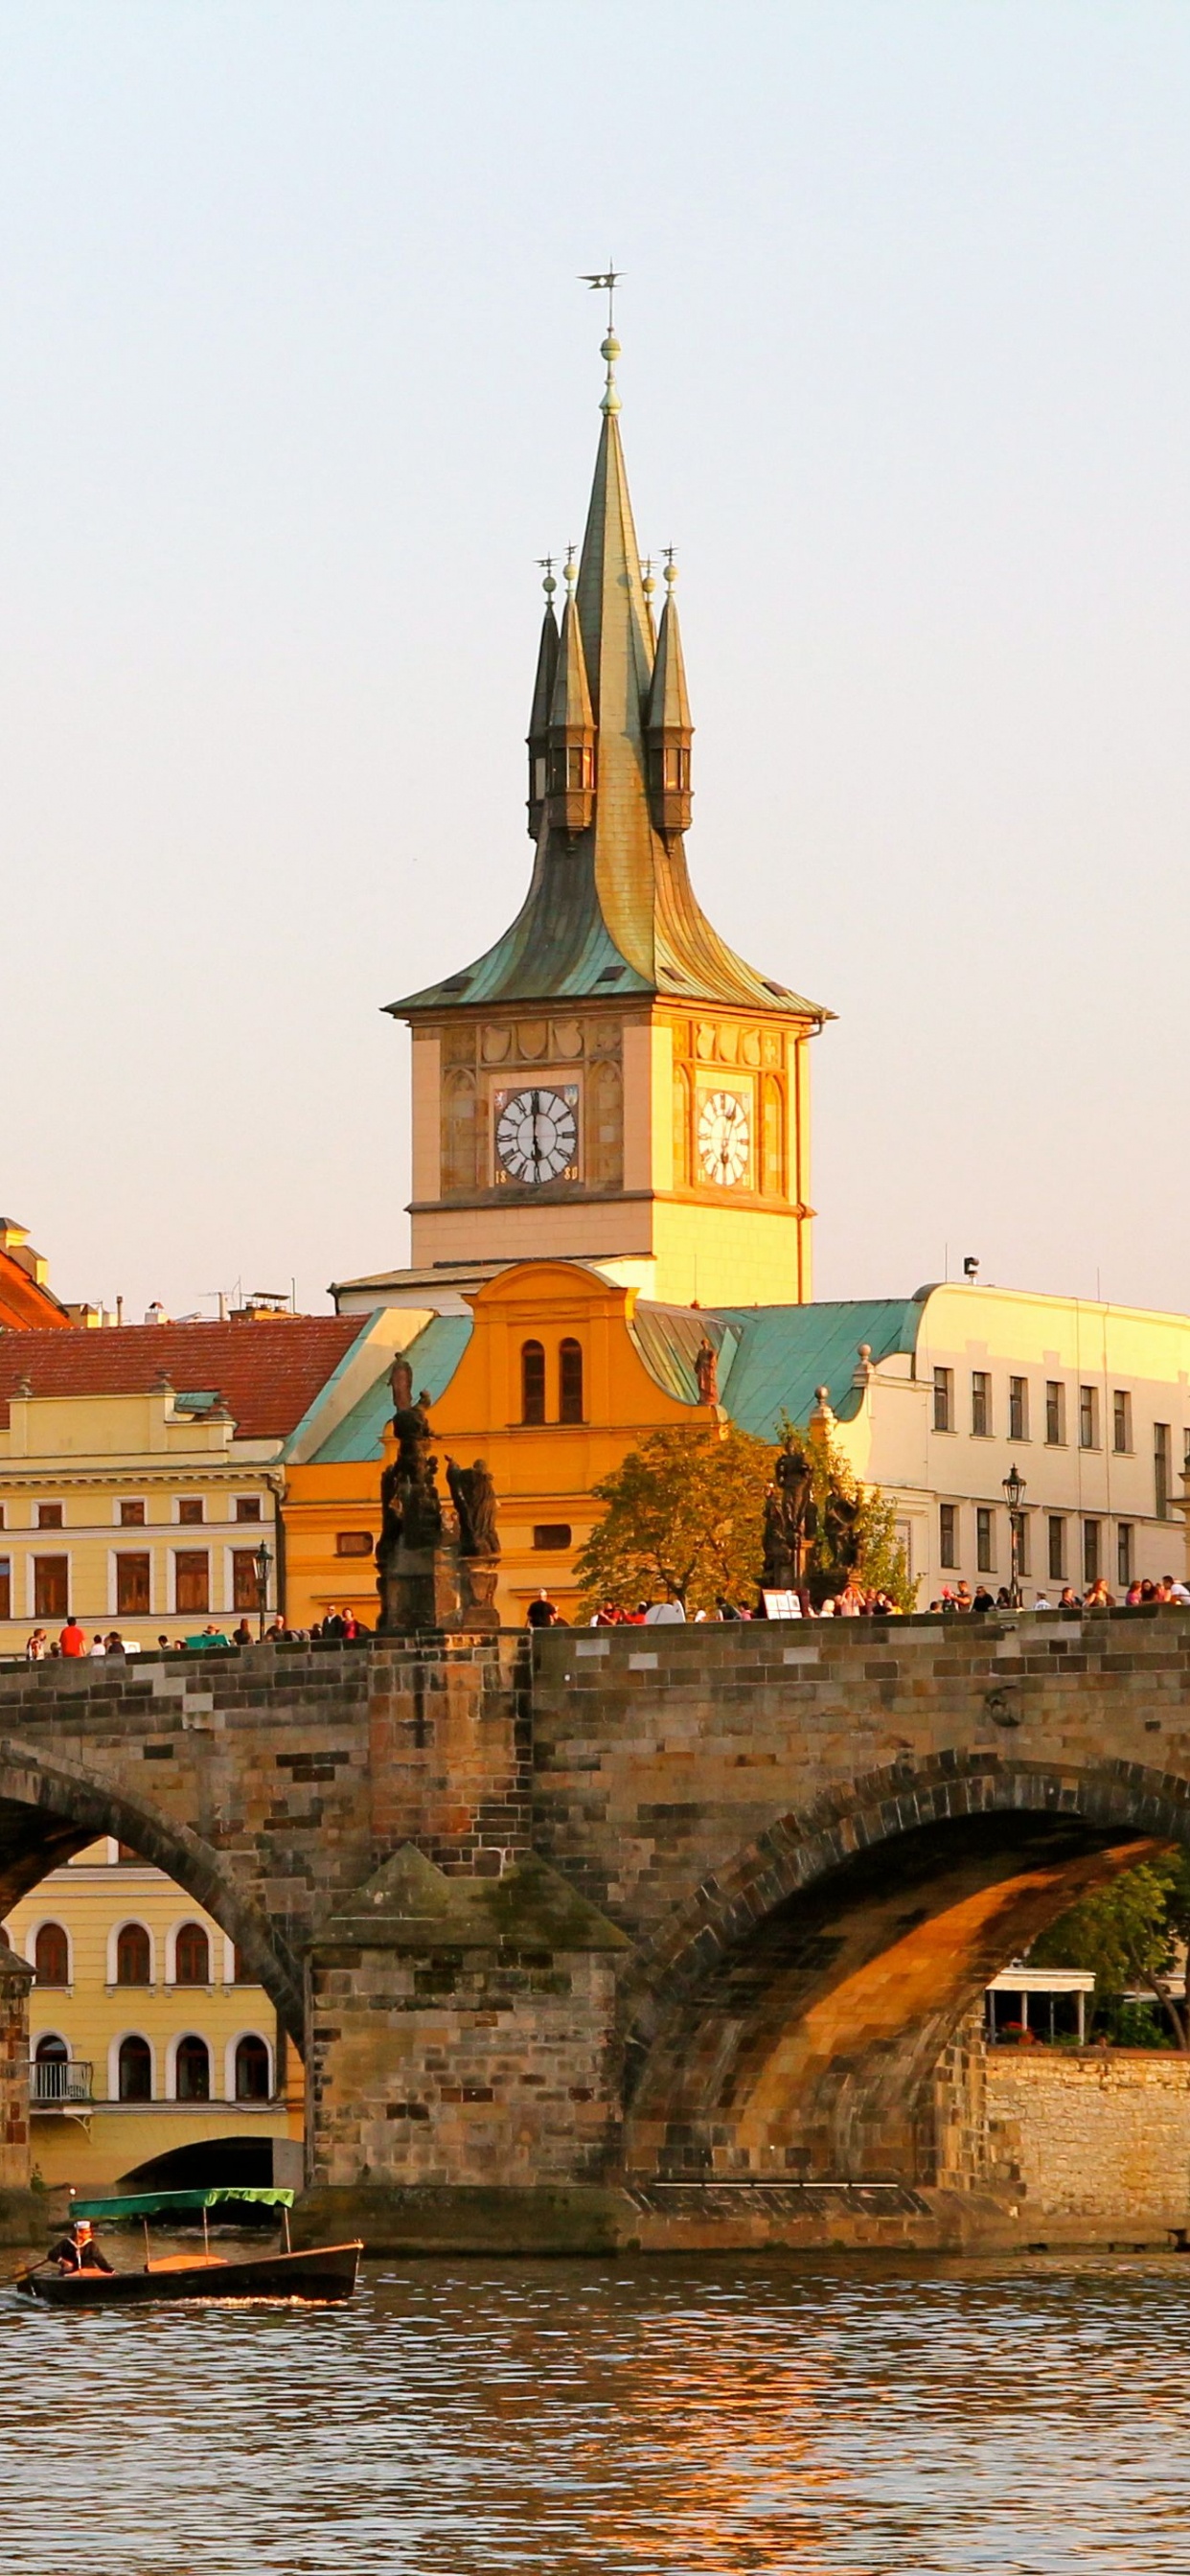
[(79, 2252)]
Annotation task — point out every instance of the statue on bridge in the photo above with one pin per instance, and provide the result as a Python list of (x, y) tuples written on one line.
[(427, 1576), (792, 1522)]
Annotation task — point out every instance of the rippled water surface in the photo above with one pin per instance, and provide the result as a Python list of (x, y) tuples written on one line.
[(725, 2417)]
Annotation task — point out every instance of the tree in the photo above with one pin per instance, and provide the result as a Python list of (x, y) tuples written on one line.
[(684, 1511), (1130, 1935), (879, 1561)]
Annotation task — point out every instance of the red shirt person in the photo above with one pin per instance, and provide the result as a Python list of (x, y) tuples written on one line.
[(72, 1640)]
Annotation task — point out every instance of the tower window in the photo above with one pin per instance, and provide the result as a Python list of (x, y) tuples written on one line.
[(532, 1382), (570, 1382)]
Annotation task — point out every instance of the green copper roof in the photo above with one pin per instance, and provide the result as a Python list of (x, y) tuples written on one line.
[(786, 1352), (612, 911), (433, 1356)]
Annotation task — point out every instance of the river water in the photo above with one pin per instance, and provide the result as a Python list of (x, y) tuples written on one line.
[(795, 2416)]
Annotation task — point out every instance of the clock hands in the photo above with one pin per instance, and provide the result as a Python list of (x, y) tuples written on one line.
[(536, 1099)]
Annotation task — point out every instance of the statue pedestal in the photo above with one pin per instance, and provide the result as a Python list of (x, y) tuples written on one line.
[(424, 1588)]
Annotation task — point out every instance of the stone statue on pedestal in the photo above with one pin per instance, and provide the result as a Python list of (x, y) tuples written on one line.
[(426, 1576)]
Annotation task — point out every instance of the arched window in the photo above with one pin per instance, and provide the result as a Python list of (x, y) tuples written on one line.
[(193, 2064), (134, 1965), (570, 1382), (51, 2051), (135, 2070), (252, 2069), (532, 1382), (192, 1956), (51, 1956)]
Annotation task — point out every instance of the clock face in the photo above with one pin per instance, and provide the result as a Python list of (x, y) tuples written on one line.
[(537, 1134), (723, 1136)]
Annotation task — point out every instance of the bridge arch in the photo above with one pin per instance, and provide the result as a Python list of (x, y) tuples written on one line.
[(790, 2021), (51, 1808)]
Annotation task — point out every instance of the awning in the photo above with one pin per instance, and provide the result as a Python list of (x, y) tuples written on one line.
[(166, 2204)]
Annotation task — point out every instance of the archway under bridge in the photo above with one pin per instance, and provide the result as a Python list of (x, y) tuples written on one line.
[(798, 2025)]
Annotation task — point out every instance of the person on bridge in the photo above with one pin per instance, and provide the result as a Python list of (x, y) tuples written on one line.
[(79, 2252), (72, 1640)]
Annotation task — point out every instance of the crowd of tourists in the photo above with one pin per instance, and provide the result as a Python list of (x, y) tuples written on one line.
[(1144, 1595), (73, 1642)]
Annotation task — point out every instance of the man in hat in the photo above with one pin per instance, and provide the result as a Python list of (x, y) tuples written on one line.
[(79, 2252)]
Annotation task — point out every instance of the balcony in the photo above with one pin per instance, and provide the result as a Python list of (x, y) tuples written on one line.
[(60, 2084)]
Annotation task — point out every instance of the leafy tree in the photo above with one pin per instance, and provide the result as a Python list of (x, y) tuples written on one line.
[(880, 1563), (685, 1510), (1130, 1934)]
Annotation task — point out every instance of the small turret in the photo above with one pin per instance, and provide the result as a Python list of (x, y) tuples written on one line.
[(543, 691), (570, 793), (669, 732)]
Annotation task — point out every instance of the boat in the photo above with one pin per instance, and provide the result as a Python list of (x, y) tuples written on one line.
[(321, 2273)]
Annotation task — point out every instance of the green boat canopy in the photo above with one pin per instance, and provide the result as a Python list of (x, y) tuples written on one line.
[(167, 2204)]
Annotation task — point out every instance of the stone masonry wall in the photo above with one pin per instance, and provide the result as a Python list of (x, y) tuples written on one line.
[(1096, 2135)]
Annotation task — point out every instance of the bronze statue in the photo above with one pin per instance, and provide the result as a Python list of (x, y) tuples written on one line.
[(474, 1497), (799, 1509), (411, 1506), (777, 1571), (706, 1371)]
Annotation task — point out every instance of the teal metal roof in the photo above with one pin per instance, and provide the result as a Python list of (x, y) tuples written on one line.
[(668, 1339), (433, 1356), (786, 1352)]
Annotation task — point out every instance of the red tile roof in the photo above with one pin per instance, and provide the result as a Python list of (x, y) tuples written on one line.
[(23, 1305), (267, 1371)]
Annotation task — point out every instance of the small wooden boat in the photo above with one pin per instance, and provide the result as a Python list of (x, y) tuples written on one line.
[(322, 2273)]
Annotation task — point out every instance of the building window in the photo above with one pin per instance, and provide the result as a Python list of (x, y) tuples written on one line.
[(1121, 1413), (532, 1382), (1055, 1413), (981, 1404), (51, 1586), (943, 1399), (5, 1587), (1161, 1469), (132, 1514), (193, 2069), (551, 1534), (1091, 1567), (245, 1585), (51, 1956), (985, 1541), (192, 1579), (190, 1510), (134, 1956), (241, 1972), (570, 1382), (1057, 1530), (1088, 1417), (49, 1516), (132, 1585), (1124, 1568), (135, 2070), (252, 2069), (247, 1507), (192, 1956), (1018, 1408), (948, 1533), (354, 1543), (1021, 1526), (3, 1523)]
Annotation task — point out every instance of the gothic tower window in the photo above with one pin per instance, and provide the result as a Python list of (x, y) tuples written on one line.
[(772, 1137), (460, 1131), (681, 1128), (570, 1382), (605, 1126)]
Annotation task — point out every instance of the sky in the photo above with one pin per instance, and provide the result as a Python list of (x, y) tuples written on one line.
[(296, 383)]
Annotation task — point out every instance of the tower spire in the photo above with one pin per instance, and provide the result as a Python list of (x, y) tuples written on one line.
[(543, 691), (669, 728), (570, 795)]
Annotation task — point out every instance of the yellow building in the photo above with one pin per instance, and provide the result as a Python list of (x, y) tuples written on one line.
[(141, 1468), (147, 2049)]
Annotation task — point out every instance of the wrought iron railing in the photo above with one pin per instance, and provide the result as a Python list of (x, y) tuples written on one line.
[(59, 2079)]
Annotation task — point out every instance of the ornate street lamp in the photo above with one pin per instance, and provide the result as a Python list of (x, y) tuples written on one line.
[(1014, 1495), (262, 1561)]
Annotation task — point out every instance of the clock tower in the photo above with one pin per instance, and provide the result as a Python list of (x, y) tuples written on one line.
[(610, 1083)]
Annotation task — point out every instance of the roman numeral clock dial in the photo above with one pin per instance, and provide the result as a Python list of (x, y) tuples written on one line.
[(723, 1137), (537, 1135)]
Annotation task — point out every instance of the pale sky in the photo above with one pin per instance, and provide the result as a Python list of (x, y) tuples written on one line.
[(296, 382)]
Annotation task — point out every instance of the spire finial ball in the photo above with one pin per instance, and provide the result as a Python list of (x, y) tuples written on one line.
[(610, 349)]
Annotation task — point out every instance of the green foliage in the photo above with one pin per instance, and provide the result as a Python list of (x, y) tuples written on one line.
[(1129, 1934), (685, 1512), (880, 1564)]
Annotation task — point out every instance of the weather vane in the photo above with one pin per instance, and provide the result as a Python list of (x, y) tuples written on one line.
[(608, 279)]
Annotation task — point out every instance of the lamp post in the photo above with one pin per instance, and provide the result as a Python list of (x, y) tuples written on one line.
[(1014, 1494), (262, 1561)]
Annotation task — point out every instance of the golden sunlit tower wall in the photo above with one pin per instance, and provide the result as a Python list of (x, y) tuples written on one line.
[(611, 1082)]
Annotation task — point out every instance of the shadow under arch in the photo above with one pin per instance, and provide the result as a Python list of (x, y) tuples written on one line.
[(51, 1808), (789, 2022)]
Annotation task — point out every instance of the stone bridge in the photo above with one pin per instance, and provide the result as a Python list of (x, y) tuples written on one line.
[(652, 1933)]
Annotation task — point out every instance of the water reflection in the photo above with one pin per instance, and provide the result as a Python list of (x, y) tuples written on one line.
[(640, 2419)]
